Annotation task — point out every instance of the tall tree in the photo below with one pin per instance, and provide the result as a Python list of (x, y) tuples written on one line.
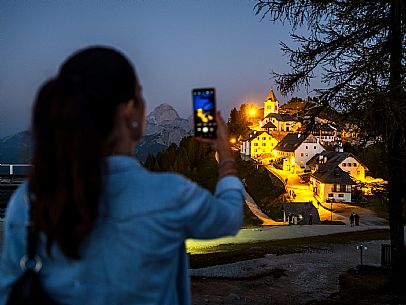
[(240, 120), (358, 48)]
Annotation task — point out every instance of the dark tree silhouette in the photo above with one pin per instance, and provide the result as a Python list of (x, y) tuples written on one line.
[(240, 120), (358, 48)]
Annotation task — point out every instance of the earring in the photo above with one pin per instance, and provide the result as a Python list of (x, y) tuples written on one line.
[(134, 124)]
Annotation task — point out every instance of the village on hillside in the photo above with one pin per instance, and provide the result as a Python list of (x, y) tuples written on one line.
[(308, 159)]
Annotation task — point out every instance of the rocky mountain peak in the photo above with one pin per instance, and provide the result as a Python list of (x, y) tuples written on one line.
[(162, 113)]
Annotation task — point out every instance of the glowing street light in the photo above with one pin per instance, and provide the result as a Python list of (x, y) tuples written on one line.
[(233, 141), (251, 113), (361, 248)]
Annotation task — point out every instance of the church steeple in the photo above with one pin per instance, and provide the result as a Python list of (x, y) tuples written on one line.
[(271, 104)]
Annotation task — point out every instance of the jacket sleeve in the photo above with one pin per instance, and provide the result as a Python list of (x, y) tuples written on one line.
[(14, 245), (204, 215)]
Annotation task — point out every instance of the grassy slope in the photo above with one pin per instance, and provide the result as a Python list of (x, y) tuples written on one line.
[(260, 186)]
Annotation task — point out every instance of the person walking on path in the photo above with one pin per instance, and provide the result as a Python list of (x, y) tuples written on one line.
[(112, 232), (356, 219), (352, 219)]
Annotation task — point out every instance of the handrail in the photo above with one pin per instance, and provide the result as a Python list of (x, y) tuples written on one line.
[(12, 166)]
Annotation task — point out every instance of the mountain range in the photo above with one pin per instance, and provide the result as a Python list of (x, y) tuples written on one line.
[(163, 127)]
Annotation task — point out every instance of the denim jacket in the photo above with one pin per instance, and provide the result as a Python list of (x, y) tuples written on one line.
[(135, 253)]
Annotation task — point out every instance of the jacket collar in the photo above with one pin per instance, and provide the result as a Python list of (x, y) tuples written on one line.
[(119, 163)]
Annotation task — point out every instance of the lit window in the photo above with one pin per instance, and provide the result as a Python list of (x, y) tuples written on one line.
[(263, 138), (263, 144), (255, 144), (256, 150), (307, 154)]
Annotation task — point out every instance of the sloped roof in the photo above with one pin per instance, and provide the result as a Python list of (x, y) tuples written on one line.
[(323, 127), (269, 125), (281, 117), (332, 174), (247, 136), (271, 96), (278, 135), (314, 160), (333, 157), (257, 134), (290, 142)]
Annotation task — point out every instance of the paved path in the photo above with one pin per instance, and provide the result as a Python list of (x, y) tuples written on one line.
[(272, 233)]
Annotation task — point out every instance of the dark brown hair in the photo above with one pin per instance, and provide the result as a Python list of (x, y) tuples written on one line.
[(73, 116)]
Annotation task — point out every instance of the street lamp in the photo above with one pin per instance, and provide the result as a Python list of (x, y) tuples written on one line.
[(331, 210), (361, 248)]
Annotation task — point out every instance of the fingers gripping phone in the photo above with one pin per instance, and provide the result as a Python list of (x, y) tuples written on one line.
[(204, 112)]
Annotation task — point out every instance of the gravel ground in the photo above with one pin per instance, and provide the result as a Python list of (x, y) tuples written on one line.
[(285, 279)]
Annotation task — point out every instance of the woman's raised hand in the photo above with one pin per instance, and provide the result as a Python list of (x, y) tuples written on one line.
[(221, 145)]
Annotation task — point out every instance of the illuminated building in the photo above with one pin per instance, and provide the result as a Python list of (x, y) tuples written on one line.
[(274, 120), (297, 147), (333, 175), (258, 144)]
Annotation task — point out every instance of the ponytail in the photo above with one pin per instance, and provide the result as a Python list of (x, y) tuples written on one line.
[(72, 119)]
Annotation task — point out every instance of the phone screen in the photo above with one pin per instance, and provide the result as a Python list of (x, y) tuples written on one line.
[(204, 112)]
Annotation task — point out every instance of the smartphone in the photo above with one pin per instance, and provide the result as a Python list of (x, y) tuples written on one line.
[(204, 112)]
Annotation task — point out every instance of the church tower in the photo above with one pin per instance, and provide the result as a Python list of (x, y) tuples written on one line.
[(271, 104)]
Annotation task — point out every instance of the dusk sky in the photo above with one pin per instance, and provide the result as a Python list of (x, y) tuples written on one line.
[(174, 45)]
